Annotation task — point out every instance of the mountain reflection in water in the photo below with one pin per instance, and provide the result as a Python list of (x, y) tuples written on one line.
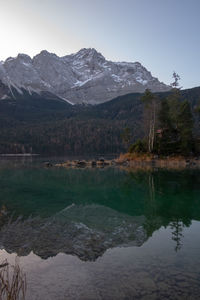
[(86, 212)]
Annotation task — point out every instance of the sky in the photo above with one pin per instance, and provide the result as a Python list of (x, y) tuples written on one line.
[(163, 35)]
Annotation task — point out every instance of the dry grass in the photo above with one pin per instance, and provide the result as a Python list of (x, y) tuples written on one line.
[(12, 282), (148, 157), (134, 157), (150, 161)]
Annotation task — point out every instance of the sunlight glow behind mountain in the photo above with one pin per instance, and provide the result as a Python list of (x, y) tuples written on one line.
[(163, 36)]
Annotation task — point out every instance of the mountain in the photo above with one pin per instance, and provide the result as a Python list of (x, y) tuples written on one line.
[(83, 77), (13, 92)]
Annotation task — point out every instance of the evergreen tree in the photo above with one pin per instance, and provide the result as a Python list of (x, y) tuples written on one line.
[(175, 84), (176, 134), (126, 136), (185, 128), (174, 99), (166, 133), (176, 123), (164, 115)]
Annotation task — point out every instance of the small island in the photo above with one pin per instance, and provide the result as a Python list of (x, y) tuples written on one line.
[(171, 139)]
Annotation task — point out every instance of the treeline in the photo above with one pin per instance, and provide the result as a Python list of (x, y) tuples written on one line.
[(50, 128), (165, 123), (70, 136), (170, 125)]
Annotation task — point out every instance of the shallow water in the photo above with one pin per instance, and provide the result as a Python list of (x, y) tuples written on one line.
[(101, 233)]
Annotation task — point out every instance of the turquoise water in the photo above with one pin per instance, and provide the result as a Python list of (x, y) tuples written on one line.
[(101, 233)]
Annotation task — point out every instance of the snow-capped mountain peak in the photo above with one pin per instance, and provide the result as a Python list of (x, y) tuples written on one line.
[(83, 77)]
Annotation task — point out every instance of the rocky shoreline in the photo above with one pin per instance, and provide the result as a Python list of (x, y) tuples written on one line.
[(98, 163), (142, 162)]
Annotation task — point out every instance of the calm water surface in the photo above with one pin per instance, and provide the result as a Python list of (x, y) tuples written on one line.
[(101, 233)]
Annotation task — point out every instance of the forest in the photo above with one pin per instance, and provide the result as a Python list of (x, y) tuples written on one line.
[(171, 124), (162, 123)]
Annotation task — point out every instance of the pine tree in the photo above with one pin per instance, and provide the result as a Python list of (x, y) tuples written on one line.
[(174, 99), (165, 136), (126, 136), (185, 128), (176, 123)]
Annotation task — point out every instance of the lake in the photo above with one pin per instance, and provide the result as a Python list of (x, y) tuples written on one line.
[(101, 233)]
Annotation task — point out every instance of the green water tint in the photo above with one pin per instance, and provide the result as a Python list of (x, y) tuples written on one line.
[(163, 197), (44, 192), (132, 235)]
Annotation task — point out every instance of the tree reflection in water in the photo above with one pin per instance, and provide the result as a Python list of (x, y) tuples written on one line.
[(156, 198), (171, 199)]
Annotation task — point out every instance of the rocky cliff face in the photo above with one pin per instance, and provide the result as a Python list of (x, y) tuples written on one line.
[(83, 77)]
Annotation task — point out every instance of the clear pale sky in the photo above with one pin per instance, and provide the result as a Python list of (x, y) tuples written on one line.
[(164, 35)]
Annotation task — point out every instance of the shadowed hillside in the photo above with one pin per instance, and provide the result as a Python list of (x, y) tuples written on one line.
[(52, 126)]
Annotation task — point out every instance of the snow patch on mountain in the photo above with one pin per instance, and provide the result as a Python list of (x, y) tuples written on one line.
[(83, 77)]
